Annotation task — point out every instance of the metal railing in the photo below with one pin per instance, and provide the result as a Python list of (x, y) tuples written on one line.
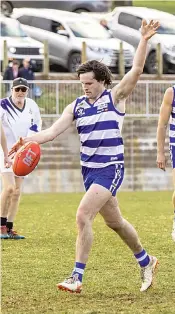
[(144, 101)]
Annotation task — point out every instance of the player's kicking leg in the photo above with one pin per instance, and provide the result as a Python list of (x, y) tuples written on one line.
[(114, 220)]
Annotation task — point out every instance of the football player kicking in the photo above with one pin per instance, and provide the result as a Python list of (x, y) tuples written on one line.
[(99, 116)]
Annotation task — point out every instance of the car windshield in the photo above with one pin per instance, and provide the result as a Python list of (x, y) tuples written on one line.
[(86, 29), (167, 27), (11, 30)]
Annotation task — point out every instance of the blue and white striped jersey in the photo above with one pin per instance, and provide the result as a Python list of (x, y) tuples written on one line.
[(19, 122), (99, 126), (172, 121)]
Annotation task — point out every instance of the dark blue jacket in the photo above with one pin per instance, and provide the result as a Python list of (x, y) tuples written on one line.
[(27, 74), (8, 74)]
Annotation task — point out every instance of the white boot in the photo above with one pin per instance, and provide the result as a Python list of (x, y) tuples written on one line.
[(71, 284), (147, 273)]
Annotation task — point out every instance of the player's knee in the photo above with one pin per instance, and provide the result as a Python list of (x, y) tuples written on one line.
[(16, 193), (9, 190), (82, 218)]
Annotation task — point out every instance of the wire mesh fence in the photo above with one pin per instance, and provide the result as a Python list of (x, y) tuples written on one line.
[(54, 96)]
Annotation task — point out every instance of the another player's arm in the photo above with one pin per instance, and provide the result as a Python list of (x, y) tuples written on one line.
[(4, 142), (127, 84), (7, 162), (164, 116), (62, 124)]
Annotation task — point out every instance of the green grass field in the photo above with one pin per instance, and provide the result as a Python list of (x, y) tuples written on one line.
[(32, 267), (165, 5)]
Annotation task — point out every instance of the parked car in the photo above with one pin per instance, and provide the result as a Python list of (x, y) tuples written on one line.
[(65, 33), (73, 6), (19, 44), (125, 23)]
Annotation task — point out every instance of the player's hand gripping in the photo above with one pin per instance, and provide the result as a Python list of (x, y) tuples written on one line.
[(16, 147), (148, 30)]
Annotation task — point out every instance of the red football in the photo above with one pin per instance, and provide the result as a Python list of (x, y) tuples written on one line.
[(26, 159)]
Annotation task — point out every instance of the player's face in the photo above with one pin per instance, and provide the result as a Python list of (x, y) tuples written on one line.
[(91, 87), (19, 93)]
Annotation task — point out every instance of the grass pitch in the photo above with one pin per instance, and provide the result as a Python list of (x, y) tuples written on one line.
[(164, 5), (32, 267)]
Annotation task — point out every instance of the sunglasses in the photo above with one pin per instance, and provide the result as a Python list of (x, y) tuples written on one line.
[(23, 89)]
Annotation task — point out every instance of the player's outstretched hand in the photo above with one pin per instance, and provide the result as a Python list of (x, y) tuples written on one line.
[(149, 30), (16, 147)]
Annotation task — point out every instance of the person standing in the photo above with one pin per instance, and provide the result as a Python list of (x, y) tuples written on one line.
[(26, 71), (7, 162), (10, 73), (99, 116), (167, 111), (20, 117)]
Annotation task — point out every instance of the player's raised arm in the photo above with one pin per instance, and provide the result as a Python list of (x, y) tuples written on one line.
[(164, 116), (127, 84)]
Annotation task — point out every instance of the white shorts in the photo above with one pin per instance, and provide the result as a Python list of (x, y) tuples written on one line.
[(3, 169)]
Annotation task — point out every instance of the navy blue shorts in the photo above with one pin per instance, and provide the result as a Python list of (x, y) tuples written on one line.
[(172, 155), (109, 177)]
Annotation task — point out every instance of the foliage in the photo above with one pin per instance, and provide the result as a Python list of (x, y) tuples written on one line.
[(165, 5)]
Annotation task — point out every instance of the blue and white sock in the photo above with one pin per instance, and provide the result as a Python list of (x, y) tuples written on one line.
[(142, 258), (79, 269)]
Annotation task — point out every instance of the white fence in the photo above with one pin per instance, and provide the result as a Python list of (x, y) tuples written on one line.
[(145, 100)]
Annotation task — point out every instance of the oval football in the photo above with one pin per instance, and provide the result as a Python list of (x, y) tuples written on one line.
[(26, 159)]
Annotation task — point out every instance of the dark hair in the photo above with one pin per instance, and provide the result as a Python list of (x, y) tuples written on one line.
[(15, 62), (100, 70)]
